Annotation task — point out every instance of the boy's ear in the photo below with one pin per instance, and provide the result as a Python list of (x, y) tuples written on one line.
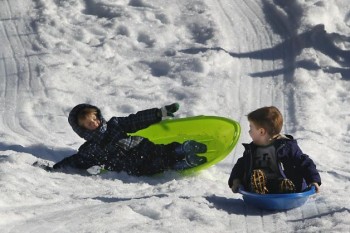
[(262, 131)]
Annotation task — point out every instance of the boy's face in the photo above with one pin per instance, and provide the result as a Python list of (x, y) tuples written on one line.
[(91, 122), (256, 133)]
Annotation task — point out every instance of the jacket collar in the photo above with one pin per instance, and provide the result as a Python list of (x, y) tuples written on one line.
[(282, 138)]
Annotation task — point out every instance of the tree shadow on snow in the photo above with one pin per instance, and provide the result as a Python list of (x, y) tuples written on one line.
[(286, 23), (316, 38)]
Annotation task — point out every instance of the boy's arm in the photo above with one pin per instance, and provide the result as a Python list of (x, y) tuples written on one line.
[(145, 118), (317, 186), (73, 161), (235, 185), (307, 167), (66, 162), (237, 172), (311, 174), (84, 159)]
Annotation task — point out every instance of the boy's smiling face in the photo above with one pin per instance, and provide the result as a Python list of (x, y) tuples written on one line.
[(91, 122)]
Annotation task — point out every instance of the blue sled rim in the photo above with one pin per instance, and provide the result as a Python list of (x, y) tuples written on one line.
[(277, 201)]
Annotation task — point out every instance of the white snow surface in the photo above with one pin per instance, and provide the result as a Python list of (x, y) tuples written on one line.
[(225, 58)]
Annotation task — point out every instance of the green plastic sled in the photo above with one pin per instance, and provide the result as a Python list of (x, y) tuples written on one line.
[(218, 133)]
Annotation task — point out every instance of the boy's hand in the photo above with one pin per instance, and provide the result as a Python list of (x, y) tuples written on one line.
[(169, 110), (317, 187), (235, 185), (42, 165)]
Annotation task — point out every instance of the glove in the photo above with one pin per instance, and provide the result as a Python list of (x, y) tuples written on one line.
[(169, 110), (235, 185)]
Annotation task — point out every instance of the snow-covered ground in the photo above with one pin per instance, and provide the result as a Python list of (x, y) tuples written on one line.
[(225, 57)]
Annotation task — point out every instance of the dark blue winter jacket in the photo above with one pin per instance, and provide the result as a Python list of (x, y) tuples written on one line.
[(292, 162), (111, 146)]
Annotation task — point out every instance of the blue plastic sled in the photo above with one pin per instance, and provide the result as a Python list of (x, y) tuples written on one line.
[(276, 201)]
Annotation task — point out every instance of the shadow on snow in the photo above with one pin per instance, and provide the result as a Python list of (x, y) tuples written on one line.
[(39, 150), (316, 38)]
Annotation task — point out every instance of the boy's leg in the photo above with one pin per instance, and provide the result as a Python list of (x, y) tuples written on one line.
[(160, 157), (153, 158)]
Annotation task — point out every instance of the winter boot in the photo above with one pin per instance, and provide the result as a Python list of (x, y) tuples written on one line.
[(189, 150), (286, 186), (191, 160), (191, 147), (258, 182)]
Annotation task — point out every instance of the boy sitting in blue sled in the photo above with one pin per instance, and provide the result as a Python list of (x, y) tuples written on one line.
[(108, 144), (273, 162)]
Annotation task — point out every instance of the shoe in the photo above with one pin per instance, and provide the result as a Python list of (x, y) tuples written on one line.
[(287, 186), (194, 160), (193, 147), (191, 160), (258, 182)]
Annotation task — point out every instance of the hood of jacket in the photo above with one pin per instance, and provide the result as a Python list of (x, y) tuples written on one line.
[(81, 131)]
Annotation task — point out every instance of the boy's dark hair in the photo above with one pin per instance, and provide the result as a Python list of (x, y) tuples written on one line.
[(83, 113), (269, 118)]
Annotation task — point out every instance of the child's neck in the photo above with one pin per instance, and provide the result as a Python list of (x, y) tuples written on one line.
[(268, 140)]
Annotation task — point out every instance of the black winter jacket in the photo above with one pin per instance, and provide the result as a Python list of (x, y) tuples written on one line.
[(293, 164)]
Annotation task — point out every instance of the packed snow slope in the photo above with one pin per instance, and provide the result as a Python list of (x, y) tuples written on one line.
[(225, 58)]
